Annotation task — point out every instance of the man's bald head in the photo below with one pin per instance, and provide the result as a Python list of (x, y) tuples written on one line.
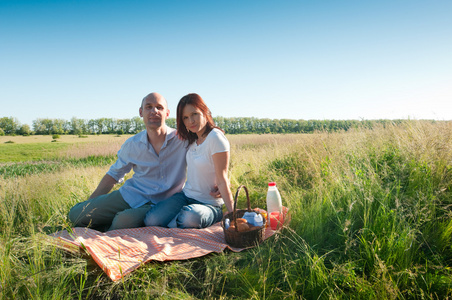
[(155, 96)]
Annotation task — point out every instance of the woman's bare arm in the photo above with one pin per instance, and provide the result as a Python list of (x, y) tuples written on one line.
[(221, 164)]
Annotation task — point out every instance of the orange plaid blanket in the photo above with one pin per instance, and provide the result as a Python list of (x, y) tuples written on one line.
[(119, 252)]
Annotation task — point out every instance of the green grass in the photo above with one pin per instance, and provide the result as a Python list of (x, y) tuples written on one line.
[(40, 167), (370, 210), (30, 152)]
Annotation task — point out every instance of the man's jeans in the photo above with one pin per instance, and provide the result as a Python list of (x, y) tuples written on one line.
[(107, 212), (183, 212)]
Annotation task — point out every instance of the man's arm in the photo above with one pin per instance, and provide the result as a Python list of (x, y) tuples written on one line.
[(105, 186)]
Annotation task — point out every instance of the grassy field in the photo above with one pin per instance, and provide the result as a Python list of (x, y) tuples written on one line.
[(371, 219), (43, 154), (44, 147)]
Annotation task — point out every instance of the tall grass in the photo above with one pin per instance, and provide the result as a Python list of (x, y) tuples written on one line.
[(371, 218)]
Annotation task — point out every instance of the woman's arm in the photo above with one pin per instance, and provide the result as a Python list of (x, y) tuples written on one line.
[(221, 164)]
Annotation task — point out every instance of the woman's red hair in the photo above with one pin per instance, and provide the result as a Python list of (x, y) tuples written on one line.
[(197, 102)]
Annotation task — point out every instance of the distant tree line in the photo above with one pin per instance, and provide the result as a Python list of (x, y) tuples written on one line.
[(242, 125), (45, 126), (256, 125)]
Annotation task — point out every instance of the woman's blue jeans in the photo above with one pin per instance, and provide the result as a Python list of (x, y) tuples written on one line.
[(183, 212)]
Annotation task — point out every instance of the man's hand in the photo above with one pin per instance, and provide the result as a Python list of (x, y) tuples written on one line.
[(215, 192)]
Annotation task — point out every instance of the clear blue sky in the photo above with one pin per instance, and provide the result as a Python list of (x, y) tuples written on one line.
[(267, 59)]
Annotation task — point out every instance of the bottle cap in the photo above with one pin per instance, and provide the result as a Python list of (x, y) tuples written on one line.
[(272, 184)]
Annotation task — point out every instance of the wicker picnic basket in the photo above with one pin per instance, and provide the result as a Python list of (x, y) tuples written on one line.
[(242, 239)]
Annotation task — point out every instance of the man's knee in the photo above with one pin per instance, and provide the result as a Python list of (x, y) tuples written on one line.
[(83, 214), (76, 214)]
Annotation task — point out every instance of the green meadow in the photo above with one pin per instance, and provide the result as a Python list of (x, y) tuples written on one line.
[(370, 212)]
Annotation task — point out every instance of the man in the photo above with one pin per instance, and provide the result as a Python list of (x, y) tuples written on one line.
[(157, 157)]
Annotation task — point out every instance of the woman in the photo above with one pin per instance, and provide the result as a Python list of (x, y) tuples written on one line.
[(207, 168)]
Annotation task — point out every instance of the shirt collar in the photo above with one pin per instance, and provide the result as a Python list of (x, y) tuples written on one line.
[(170, 134)]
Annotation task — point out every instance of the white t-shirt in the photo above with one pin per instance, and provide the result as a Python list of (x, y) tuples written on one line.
[(200, 169)]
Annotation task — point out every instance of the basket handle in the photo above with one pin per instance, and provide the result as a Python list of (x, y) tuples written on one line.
[(235, 204)]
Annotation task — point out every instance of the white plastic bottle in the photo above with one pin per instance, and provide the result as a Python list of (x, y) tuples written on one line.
[(273, 199)]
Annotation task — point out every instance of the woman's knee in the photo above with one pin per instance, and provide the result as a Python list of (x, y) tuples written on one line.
[(197, 216)]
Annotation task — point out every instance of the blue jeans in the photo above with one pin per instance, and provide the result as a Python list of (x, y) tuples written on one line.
[(183, 212)]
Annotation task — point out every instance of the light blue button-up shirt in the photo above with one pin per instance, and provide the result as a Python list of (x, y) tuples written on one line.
[(156, 177)]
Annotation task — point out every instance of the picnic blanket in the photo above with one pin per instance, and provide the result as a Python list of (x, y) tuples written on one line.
[(119, 252)]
